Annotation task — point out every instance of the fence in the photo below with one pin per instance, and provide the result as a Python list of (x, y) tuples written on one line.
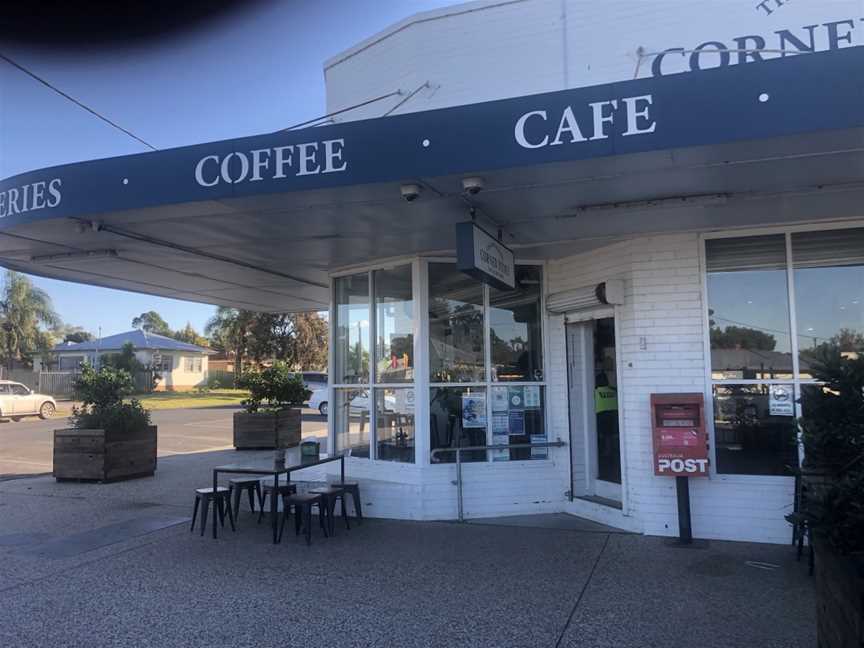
[(60, 383), (220, 378)]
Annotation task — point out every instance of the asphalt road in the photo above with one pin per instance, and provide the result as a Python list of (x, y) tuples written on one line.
[(26, 447)]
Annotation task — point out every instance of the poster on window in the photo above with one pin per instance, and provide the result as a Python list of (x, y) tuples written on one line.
[(500, 455), (499, 399), (532, 396), (517, 422), (781, 401), (516, 398), (473, 410), (500, 423)]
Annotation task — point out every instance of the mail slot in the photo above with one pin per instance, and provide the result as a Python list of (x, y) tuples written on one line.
[(680, 439)]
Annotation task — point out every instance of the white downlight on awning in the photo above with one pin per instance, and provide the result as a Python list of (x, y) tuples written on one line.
[(607, 293)]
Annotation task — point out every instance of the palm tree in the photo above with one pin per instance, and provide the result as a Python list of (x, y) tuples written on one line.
[(24, 309), (230, 330)]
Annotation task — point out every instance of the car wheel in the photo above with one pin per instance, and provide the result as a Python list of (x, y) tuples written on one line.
[(322, 408), (47, 410), (16, 418)]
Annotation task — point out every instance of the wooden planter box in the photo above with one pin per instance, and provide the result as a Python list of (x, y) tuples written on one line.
[(267, 430), (839, 598), (104, 455)]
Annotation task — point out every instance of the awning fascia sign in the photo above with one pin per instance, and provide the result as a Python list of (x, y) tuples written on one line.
[(788, 96), (482, 256)]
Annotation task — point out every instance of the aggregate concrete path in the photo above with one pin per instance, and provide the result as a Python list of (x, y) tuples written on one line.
[(519, 581)]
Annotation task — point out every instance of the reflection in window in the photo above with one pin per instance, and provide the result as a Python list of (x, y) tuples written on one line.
[(351, 409), (829, 293), (351, 346), (455, 325), (457, 418), (748, 308), (394, 424), (754, 429), (394, 325), (514, 321)]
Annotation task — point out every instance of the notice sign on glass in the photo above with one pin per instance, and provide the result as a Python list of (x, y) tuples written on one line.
[(484, 257), (781, 401)]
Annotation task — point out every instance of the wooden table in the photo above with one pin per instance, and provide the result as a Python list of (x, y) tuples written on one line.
[(293, 456)]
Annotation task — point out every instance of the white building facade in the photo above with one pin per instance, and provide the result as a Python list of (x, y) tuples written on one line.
[(693, 298)]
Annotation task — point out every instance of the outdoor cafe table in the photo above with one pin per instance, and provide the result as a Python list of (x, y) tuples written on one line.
[(292, 457)]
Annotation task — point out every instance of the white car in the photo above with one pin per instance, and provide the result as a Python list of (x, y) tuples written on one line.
[(318, 400), (17, 400)]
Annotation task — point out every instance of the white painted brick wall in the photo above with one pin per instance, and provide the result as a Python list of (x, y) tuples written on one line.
[(663, 304)]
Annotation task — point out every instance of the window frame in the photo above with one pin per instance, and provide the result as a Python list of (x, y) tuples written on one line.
[(796, 381), (422, 383), (488, 383), (371, 385)]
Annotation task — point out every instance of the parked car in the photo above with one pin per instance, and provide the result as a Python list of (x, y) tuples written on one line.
[(313, 379), (318, 400), (17, 400)]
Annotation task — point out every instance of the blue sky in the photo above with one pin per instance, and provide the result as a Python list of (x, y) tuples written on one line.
[(257, 72)]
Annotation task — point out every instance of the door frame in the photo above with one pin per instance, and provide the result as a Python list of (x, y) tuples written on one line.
[(588, 423)]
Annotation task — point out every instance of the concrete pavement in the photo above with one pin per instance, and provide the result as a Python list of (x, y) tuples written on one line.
[(507, 582)]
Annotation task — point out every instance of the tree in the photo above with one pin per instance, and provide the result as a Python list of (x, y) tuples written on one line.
[(742, 337), (124, 360), (298, 339), (152, 322), (68, 333), (229, 330), (27, 319), (189, 335)]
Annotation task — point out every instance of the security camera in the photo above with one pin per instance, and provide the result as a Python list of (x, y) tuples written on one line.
[(473, 186), (410, 192)]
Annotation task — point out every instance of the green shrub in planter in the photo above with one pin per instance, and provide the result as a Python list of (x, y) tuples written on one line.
[(272, 417), (272, 389), (109, 439), (101, 394)]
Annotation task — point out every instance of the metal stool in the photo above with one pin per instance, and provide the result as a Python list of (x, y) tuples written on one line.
[(353, 489), (252, 485), (330, 494), (303, 504), (284, 489), (221, 502)]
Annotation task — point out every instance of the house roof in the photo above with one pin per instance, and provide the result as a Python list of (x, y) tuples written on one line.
[(139, 339)]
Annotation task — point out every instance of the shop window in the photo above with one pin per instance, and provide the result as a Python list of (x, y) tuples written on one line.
[(754, 429), (515, 328), (394, 325), (748, 306), (457, 418), (752, 364), (352, 420), (456, 326), (829, 293), (351, 326), (394, 424), (484, 411)]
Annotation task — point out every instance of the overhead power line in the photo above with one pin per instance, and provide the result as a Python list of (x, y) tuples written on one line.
[(75, 101)]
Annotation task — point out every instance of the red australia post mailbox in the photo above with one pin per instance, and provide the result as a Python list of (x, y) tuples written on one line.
[(680, 439)]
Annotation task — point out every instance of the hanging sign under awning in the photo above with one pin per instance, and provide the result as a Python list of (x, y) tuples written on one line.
[(482, 256)]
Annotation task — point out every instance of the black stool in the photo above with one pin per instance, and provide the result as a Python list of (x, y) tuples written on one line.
[(352, 489), (221, 502), (330, 494), (251, 485), (303, 504), (284, 489)]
